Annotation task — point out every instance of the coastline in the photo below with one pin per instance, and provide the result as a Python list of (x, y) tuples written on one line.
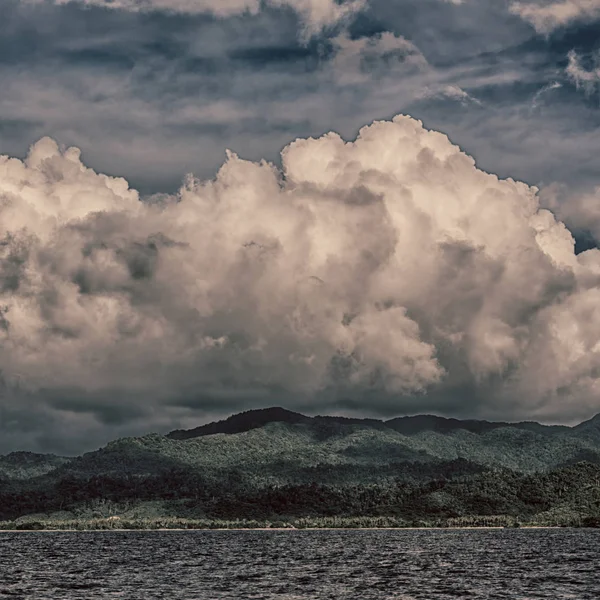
[(290, 529), (134, 521)]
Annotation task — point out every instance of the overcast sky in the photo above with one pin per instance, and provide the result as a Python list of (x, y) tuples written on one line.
[(214, 205)]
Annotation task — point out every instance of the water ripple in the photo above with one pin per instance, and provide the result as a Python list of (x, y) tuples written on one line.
[(300, 565)]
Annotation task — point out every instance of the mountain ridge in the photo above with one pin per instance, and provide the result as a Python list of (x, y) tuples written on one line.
[(25, 464), (255, 418)]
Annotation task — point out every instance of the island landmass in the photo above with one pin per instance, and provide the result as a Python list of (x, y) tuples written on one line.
[(277, 469)]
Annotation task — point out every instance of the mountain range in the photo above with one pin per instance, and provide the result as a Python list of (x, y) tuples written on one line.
[(231, 467)]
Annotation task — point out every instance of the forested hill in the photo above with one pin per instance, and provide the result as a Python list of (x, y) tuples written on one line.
[(27, 465), (254, 419), (267, 462), (281, 446)]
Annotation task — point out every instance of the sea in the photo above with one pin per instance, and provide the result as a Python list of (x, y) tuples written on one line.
[(296, 565)]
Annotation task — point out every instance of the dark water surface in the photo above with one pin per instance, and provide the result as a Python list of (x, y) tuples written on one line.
[(289, 565)]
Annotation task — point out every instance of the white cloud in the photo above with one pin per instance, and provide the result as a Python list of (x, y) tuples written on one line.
[(548, 16), (450, 92), (322, 13), (588, 80), (579, 210), (553, 85), (315, 14), (388, 263)]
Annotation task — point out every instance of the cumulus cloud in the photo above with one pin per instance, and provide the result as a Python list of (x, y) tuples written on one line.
[(387, 265), (579, 210), (315, 14), (548, 16)]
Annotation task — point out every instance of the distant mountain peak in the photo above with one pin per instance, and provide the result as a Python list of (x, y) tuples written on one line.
[(241, 422), (408, 425), (593, 423)]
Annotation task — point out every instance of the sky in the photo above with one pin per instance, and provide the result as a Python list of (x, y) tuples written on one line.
[(360, 207)]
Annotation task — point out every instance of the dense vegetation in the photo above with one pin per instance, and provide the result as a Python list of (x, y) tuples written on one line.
[(299, 472), (26, 465)]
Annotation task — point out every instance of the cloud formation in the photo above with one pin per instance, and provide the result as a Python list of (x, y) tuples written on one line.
[(449, 92), (362, 60), (580, 210), (548, 16), (586, 79), (315, 14), (537, 98), (388, 266)]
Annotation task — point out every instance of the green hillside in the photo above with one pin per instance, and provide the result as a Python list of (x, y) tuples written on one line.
[(277, 462), (27, 465), (275, 451)]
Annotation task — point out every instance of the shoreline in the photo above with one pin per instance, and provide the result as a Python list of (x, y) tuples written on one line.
[(290, 529)]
